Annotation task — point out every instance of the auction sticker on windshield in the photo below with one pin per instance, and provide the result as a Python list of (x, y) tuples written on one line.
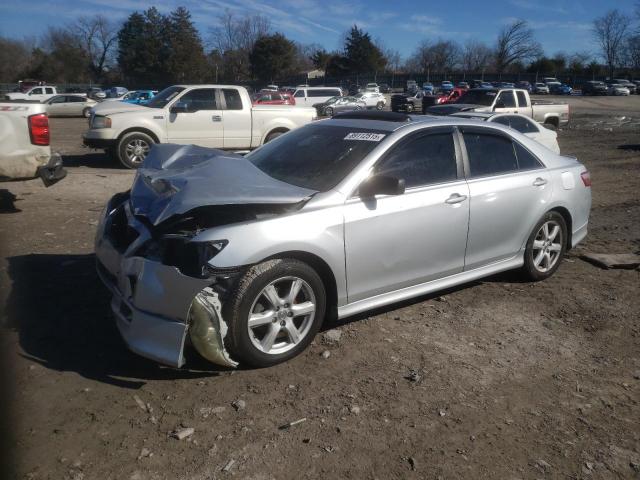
[(367, 137)]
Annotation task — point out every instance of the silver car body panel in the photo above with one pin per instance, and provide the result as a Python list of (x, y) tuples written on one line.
[(375, 249)]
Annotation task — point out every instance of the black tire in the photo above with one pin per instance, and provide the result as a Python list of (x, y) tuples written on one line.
[(380, 106), (409, 107), (328, 112), (237, 309), (133, 139), (529, 269), (272, 135), (86, 113)]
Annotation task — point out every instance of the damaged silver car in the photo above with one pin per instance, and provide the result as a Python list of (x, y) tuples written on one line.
[(245, 257)]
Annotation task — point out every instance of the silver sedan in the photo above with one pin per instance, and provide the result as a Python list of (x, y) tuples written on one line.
[(248, 256), (70, 106)]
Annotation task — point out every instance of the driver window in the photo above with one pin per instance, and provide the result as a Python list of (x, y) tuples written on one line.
[(200, 99), (507, 99), (423, 160), (36, 91)]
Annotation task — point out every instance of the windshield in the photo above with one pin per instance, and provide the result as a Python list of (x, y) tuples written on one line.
[(316, 157), (478, 97), (332, 100), (164, 97)]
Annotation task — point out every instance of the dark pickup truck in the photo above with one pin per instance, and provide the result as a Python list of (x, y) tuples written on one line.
[(407, 102)]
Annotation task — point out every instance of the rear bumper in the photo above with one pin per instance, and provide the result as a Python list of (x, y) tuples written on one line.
[(53, 171)]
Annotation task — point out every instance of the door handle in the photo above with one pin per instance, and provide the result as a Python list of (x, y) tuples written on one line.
[(455, 198), (539, 182), (216, 118)]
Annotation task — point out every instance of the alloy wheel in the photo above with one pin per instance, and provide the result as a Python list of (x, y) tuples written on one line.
[(547, 246), (281, 316), (136, 150)]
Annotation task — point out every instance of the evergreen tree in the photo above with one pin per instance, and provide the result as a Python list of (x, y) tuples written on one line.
[(187, 61), (362, 55), (272, 56)]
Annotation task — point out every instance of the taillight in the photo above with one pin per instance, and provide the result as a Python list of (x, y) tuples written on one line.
[(39, 129), (586, 178)]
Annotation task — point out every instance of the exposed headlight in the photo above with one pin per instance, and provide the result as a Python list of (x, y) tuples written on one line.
[(100, 121), (191, 258)]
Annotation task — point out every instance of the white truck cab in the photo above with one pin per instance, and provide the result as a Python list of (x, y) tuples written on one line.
[(217, 116), (39, 93)]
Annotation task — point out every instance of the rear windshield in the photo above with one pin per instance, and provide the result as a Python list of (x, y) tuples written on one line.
[(164, 97), (316, 157), (478, 97)]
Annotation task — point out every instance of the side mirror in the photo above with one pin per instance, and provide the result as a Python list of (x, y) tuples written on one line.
[(381, 185), (179, 107)]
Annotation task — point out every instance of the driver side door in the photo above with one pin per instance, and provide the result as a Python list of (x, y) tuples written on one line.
[(397, 241), (202, 124)]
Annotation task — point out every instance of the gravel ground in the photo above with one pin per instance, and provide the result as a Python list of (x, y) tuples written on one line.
[(496, 379)]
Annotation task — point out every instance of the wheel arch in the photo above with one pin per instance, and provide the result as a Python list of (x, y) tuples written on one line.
[(566, 215), (146, 131), (323, 269), (274, 130)]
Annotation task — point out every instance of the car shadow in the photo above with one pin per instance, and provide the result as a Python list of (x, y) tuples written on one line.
[(8, 202), (91, 160), (632, 147), (61, 312)]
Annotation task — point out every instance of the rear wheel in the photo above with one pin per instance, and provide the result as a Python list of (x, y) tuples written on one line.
[(272, 136), (133, 148), (328, 112), (545, 247), (274, 312), (380, 105), (86, 113), (409, 107)]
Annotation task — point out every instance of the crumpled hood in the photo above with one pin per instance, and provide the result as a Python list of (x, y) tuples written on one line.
[(451, 108), (175, 179), (111, 107)]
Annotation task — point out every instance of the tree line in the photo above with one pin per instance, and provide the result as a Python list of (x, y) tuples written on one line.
[(152, 48)]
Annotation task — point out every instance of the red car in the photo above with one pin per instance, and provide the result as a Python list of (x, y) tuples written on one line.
[(455, 94), (273, 98)]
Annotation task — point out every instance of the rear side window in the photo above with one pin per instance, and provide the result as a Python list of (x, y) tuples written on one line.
[(424, 160), (75, 99), (523, 125), (522, 99), (489, 154), (526, 160), (232, 98), (323, 93), (299, 94), (200, 99), (49, 91)]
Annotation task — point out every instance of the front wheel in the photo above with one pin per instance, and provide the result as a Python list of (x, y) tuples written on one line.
[(328, 112), (380, 105), (274, 312), (86, 113), (409, 108), (133, 148), (545, 247)]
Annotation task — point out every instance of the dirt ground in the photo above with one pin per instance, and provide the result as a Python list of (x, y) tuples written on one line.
[(510, 380)]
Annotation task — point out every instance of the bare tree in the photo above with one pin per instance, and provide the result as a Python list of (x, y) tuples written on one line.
[(609, 32), (476, 56), (516, 43), (442, 56), (234, 38), (98, 36)]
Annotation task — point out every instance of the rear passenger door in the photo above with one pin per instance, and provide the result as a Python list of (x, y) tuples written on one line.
[(237, 120), (509, 189), (396, 241)]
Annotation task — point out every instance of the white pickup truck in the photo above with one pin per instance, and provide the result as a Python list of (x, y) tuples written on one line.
[(40, 93), (25, 153), (218, 116), (506, 100)]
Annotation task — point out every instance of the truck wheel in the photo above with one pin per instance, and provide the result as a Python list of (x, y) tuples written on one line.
[(133, 149), (86, 113), (380, 105), (272, 135), (409, 107)]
